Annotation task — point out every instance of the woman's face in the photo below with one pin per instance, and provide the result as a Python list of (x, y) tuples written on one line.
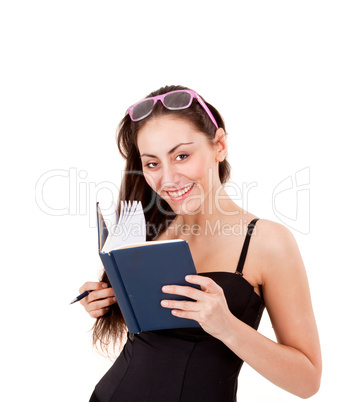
[(178, 163)]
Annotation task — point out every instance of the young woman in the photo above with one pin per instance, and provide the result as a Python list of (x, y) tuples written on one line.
[(175, 148)]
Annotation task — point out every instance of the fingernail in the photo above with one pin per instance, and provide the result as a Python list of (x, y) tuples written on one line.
[(164, 303), (188, 277), (165, 288), (104, 285), (114, 299)]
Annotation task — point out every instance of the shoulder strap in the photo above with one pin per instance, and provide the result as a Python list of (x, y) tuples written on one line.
[(245, 247)]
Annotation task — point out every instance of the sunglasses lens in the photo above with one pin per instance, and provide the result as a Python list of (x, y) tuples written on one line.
[(142, 109), (177, 100)]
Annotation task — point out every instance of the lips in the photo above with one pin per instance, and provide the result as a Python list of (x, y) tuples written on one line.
[(181, 192)]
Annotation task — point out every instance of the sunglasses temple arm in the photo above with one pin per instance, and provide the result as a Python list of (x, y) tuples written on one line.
[(207, 110)]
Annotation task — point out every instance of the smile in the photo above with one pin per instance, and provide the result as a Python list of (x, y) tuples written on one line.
[(180, 193)]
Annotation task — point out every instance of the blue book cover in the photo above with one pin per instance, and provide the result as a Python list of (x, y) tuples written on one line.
[(137, 274)]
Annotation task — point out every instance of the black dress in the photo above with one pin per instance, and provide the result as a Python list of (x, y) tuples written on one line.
[(184, 365)]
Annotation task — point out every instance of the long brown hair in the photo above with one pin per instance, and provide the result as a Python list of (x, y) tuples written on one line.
[(111, 326)]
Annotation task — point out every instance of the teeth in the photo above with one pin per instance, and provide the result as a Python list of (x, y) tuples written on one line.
[(180, 192)]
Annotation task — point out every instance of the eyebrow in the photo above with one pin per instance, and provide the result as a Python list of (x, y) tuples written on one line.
[(169, 152)]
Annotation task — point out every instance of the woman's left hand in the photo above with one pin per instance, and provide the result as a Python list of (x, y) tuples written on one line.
[(210, 308)]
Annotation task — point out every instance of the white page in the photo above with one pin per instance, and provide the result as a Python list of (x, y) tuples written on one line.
[(130, 227)]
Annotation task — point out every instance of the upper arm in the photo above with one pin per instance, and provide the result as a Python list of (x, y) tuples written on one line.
[(286, 292)]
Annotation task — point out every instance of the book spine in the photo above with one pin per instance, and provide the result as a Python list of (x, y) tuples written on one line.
[(115, 279)]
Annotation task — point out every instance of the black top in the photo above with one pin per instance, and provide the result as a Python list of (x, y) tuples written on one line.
[(184, 365)]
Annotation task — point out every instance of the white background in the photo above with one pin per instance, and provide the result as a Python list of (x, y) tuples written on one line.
[(69, 70)]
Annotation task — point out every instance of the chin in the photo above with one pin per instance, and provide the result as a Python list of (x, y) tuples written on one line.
[(189, 207)]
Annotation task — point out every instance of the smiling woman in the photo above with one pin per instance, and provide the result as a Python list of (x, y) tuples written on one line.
[(182, 163), (174, 144)]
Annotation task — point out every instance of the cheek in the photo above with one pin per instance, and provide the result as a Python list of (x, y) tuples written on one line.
[(151, 180), (198, 171)]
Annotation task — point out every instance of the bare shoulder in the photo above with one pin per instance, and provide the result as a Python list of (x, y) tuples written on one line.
[(277, 249), (283, 275), (273, 236)]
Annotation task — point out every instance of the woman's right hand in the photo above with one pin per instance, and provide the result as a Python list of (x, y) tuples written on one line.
[(98, 301)]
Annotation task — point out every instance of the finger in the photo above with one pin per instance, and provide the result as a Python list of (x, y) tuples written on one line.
[(99, 313), (207, 284), (100, 294), (92, 286), (187, 291), (100, 304), (181, 305), (190, 315)]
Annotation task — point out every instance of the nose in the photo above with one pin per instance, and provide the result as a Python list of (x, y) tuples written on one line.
[(170, 177)]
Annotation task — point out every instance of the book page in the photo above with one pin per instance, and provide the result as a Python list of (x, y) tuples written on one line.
[(128, 228), (102, 229)]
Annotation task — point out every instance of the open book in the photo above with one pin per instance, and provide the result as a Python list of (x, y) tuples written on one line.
[(137, 269)]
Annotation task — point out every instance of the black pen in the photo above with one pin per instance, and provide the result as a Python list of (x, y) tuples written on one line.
[(80, 297)]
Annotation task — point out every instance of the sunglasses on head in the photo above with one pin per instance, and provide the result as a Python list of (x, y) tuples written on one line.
[(174, 100)]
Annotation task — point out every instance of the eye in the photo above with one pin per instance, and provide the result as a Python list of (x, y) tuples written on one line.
[(151, 165), (182, 157)]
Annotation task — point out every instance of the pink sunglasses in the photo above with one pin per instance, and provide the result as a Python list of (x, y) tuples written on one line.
[(174, 100)]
